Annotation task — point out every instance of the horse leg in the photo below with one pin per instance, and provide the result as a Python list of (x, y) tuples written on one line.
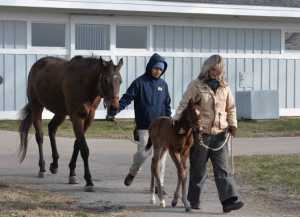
[(184, 161), (80, 144), (37, 111), (72, 165), (155, 170), (52, 128), (176, 159)]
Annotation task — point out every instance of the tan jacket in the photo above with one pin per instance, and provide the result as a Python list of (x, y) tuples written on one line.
[(218, 109)]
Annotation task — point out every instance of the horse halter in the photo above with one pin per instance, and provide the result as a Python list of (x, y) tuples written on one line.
[(194, 122), (105, 97)]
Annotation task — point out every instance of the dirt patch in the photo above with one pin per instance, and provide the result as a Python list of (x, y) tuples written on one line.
[(19, 199), (270, 199)]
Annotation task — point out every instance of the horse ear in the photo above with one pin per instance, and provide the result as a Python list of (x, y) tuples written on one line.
[(191, 102), (103, 62), (200, 102), (120, 64)]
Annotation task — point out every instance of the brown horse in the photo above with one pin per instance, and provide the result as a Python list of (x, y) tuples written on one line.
[(73, 88), (164, 136)]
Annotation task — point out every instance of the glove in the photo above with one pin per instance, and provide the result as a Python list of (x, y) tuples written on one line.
[(110, 118), (232, 130)]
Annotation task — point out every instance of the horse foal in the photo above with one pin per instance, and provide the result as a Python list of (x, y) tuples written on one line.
[(163, 135)]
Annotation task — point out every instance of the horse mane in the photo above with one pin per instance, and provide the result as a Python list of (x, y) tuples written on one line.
[(87, 62)]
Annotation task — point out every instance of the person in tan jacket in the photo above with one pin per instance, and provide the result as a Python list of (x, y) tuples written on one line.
[(218, 116)]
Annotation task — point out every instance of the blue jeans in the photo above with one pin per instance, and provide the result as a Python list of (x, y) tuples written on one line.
[(223, 177)]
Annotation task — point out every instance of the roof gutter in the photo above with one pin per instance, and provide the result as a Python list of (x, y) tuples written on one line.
[(157, 7)]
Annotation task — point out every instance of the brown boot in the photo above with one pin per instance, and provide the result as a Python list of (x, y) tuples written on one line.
[(163, 190), (129, 179)]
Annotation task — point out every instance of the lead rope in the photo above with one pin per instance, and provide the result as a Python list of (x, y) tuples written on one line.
[(127, 136), (230, 146)]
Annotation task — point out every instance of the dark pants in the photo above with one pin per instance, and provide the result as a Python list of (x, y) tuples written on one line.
[(224, 179)]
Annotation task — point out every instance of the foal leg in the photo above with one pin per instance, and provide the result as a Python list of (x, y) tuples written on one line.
[(36, 113), (184, 161), (155, 172), (52, 128), (152, 184), (181, 176)]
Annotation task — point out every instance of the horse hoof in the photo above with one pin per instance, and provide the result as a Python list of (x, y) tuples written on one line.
[(89, 189), (73, 180), (53, 171), (163, 205), (42, 174), (188, 209), (152, 202), (174, 204)]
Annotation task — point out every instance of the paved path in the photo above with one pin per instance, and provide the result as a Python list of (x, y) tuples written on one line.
[(109, 164)]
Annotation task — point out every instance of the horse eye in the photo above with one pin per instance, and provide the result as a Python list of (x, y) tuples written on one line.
[(106, 81)]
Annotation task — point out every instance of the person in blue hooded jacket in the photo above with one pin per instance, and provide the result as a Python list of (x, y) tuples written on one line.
[(151, 100)]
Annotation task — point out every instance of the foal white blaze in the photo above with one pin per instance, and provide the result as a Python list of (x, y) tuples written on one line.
[(197, 112)]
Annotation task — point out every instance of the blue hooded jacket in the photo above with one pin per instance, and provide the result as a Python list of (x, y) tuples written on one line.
[(151, 96)]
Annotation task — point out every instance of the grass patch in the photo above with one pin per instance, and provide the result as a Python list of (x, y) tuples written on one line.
[(274, 172), (98, 129), (282, 171), (282, 127)]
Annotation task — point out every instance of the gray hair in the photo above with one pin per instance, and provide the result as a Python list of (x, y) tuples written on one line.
[(208, 64)]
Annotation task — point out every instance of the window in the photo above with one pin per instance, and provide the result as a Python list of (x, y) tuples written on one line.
[(92, 37), (292, 41), (48, 35), (132, 37)]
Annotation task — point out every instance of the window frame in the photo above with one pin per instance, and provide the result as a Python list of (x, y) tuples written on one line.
[(48, 47)]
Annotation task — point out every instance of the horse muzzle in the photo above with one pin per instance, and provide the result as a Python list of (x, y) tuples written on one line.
[(113, 110)]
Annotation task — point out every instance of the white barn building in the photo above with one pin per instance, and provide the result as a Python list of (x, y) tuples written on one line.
[(261, 38)]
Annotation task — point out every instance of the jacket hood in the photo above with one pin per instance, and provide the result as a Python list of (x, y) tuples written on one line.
[(154, 59)]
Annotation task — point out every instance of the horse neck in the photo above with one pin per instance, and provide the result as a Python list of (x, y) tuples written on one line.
[(92, 77)]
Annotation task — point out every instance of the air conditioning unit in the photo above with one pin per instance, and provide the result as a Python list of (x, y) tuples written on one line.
[(257, 104)]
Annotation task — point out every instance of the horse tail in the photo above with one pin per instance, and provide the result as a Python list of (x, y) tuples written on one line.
[(149, 144), (25, 121)]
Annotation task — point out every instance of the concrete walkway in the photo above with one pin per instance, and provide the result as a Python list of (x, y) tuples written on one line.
[(109, 163)]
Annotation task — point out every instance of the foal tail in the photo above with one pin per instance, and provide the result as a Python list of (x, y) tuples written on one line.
[(25, 124), (149, 144)]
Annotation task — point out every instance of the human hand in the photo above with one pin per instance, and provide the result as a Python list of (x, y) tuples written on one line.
[(232, 130), (181, 131), (177, 127)]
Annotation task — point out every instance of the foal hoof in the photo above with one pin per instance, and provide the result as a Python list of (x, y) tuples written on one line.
[(152, 202), (89, 189), (174, 203), (42, 174), (73, 180), (163, 205), (188, 209), (53, 171)]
